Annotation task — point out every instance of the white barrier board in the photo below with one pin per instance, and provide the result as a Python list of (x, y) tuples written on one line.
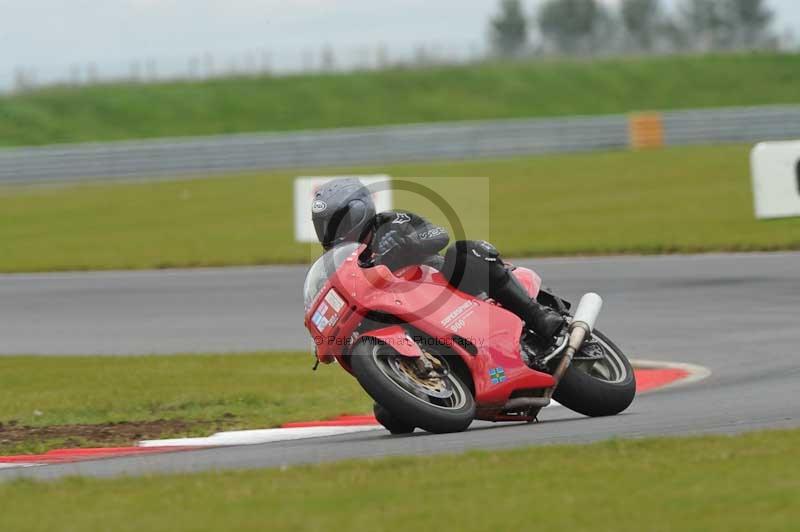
[(776, 179), (306, 187)]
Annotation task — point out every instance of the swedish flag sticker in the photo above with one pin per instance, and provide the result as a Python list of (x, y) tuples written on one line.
[(497, 375)]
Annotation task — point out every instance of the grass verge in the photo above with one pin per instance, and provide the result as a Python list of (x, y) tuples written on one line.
[(743, 483), (48, 402), (482, 91), (692, 199)]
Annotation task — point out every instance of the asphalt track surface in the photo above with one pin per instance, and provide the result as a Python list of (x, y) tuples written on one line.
[(738, 315)]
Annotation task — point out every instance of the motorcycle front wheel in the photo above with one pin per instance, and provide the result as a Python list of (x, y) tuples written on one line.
[(391, 423), (439, 402), (600, 381)]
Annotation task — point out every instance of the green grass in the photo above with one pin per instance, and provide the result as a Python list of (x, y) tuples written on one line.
[(491, 90), (744, 483), (217, 391), (691, 199)]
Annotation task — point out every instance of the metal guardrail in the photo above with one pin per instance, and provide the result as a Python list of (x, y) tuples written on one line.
[(744, 124), (380, 145)]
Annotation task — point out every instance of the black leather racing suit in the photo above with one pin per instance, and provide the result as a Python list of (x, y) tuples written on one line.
[(400, 238)]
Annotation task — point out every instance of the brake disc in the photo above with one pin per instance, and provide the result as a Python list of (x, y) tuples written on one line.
[(432, 383)]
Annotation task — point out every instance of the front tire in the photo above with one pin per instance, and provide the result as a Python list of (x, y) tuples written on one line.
[(603, 388), (391, 423), (378, 369)]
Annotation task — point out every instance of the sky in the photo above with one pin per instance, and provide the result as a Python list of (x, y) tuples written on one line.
[(50, 37)]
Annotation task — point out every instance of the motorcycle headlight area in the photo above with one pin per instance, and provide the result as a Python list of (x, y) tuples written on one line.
[(327, 313)]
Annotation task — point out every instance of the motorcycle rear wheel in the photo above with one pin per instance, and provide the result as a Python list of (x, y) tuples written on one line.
[(377, 368), (602, 388)]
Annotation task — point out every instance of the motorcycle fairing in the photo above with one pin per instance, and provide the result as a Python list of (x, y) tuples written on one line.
[(484, 335), (396, 337)]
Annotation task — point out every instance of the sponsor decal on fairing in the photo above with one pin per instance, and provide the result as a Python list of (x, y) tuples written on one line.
[(497, 375)]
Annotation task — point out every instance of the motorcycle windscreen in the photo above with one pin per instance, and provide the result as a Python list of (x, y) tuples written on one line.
[(324, 267)]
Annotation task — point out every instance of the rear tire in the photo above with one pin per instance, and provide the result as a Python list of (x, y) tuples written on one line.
[(593, 396), (401, 401)]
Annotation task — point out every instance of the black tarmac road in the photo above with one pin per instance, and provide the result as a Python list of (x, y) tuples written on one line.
[(738, 315)]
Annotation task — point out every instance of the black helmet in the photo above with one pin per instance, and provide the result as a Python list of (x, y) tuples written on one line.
[(342, 211)]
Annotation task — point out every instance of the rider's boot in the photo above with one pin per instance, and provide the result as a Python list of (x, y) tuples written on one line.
[(543, 321)]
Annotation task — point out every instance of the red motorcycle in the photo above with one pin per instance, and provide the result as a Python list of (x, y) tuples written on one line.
[(436, 358)]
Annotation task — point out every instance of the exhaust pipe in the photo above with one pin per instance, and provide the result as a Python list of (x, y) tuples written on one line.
[(587, 312), (583, 323), (522, 403), (581, 328)]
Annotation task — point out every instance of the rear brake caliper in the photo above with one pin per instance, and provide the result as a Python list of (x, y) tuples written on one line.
[(590, 350)]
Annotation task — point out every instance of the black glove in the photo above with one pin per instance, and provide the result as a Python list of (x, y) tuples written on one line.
[(390, 241)]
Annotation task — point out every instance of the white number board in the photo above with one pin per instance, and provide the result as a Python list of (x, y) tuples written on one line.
[(776, 179), (306, 187)]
